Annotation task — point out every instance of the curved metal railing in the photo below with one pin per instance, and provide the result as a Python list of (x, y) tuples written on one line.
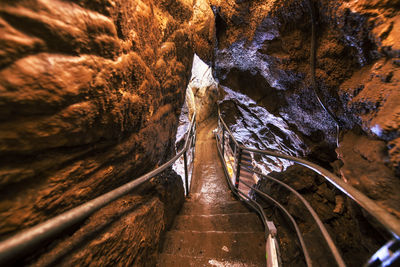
[(224, 136), (29, 238)]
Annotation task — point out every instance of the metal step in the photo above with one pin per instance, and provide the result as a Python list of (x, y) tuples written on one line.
[(247, 165)]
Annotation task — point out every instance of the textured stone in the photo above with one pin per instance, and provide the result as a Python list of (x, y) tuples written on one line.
[(366, 168), (90, 94), (203, 25), (126, 232), (263, 51), (202, 93), (350, 232)]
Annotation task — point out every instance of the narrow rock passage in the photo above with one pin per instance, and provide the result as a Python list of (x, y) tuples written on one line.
[(213, 228)]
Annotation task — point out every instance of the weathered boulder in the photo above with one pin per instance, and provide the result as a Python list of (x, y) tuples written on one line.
[(90, 94)]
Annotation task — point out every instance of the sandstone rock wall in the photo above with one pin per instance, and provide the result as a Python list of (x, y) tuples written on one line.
[(90, 94)]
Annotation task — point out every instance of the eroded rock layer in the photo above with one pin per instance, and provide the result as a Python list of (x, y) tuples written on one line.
[(90, 94), (263, 51)]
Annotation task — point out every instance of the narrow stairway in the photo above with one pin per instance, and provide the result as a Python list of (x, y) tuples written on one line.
[(213, 228)]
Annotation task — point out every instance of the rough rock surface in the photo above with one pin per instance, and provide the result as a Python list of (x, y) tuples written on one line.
[(202, 92), (263, 51), (125, 233), (356, 239), (86, 87), (203, 25), (366, 166)]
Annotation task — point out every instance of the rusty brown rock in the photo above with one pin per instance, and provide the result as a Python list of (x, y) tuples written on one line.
[(90, 94), (203, 27), (353, 235), (366, 168)]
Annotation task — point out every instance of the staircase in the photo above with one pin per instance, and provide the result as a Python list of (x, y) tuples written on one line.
[(213, 229)]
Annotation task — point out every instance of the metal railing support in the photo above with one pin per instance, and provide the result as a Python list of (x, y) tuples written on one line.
[(223, 141), (317, 220), (387, 220), (291, 219), (271, 252), (186, 173), (238, 159)]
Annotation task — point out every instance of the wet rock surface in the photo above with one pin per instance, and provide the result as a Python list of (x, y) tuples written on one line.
[(253, 126), (90, 94), (263, 51)]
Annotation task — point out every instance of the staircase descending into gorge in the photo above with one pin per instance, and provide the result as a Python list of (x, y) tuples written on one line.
[(213, 228), (216, 226)]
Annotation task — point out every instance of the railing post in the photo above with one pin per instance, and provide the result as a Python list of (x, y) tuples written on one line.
[(239, 158), (193, 146), (186, 173), (193, 142), (223, 141)]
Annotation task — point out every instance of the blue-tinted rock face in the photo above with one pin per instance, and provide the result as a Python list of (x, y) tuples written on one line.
[(267, 58), (264, 52), (253, 126)]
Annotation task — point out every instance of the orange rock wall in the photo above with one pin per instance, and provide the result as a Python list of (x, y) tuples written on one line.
[(90, 94)]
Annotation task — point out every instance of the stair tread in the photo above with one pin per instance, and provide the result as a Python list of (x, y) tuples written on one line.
[(192, 207), (168, 260), (246, 175), (247, 222), (240, 246)]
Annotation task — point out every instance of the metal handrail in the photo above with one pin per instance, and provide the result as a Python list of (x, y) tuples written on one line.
[(291, 219), (391, 223), (270, 233), (321, 226), (269, 198), (313, 52), (382, 216), (27, 239)]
